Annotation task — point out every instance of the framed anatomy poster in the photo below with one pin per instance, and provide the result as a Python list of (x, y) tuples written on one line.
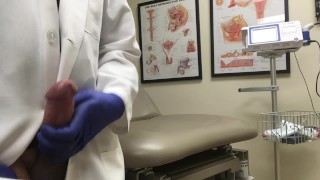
[(169, 40), (227, 19)]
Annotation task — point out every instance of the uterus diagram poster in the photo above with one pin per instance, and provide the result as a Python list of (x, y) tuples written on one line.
[(228, 17), (169, 40)]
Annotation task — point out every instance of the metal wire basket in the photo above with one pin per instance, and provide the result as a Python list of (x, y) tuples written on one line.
[(290, 127)]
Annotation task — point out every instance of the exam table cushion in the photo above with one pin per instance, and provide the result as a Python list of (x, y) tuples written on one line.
[(168, 138)]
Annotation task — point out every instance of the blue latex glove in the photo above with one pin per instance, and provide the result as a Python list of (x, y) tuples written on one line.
[(94, 110), (6, 172)]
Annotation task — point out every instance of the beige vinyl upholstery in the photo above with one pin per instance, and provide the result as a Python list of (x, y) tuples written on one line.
[(155, 139), (143, 107)]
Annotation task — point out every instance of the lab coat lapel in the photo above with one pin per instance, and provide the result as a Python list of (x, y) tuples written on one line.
[(73, 16)]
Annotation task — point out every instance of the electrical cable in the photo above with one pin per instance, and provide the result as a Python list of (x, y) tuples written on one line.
[(306, 35), (305, 82), (317, 79)]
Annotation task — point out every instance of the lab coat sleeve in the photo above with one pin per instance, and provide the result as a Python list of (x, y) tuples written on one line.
[(118, 50)]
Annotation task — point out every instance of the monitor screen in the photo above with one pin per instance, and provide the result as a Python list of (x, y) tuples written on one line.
[(264, 34)]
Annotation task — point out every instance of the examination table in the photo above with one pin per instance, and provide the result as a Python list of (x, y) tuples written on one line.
[(182, 146)]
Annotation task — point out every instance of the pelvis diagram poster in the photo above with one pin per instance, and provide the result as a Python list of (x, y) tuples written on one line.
[(227, 19), (169, 40)]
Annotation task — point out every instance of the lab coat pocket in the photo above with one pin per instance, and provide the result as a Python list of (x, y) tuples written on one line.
[(94, 18), (85, 68), (107, 141), (89, 52), (113, 163), (108, 146)]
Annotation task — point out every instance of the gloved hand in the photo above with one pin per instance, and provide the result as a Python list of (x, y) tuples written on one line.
[(6, 172), (94, 110)]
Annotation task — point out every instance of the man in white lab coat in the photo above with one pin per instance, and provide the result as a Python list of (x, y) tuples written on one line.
[(91, 42)]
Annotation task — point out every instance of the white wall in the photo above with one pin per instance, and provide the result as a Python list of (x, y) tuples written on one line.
[(221, 96)]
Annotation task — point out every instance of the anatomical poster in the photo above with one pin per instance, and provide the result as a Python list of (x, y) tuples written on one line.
[(228, 17), (169, 40)]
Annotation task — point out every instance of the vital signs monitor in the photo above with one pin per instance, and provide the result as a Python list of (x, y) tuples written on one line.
[(277, 36)]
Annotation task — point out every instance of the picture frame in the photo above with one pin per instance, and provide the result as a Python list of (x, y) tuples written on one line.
[(227, 18), (169, 40)]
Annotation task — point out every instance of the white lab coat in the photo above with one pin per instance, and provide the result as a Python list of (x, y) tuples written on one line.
[(97, 46)]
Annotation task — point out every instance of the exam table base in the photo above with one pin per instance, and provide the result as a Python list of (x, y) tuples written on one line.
[(217, 164)]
